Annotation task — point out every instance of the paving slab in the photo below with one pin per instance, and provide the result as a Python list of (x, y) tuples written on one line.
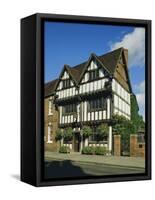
[(123, 161)]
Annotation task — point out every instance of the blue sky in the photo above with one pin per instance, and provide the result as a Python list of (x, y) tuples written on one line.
[(69, 43)]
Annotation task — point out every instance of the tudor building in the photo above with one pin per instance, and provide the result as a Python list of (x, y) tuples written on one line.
[(90, 93)]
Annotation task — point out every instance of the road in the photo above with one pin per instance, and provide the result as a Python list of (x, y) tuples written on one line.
[(68, 168)]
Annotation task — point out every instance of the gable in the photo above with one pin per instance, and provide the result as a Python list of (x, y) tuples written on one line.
[(65, 76), (121, 72), (113, 64), (92, 65), (107, 61)]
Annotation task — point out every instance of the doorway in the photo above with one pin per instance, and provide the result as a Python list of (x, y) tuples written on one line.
[(77, 142)]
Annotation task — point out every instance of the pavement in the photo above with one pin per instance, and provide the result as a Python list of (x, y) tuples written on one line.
[(120, 161)]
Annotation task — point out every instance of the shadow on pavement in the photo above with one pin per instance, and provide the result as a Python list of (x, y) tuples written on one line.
[(16, 176), (62, 169)]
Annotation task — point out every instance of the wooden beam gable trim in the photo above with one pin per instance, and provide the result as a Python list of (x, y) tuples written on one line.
[(62, 71)]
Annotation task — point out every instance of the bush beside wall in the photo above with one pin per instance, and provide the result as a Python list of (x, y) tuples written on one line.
[(94, 150), (100, 150), (64, 149), (88, 150)]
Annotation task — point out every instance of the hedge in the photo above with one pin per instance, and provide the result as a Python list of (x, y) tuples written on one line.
[(64, 149), (88, 150), (100, 150), (94, 150)]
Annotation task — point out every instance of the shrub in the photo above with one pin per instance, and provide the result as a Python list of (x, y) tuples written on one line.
[(88, 150), (100, 151), (103, 131), (68, 134), (87, 131), (59, 135), (94, 150), (64, 149), (124, 127)]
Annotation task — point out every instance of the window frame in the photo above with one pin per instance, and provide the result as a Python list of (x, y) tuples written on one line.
[(97, 104), (66, 83), (49, 133), (93, 74)]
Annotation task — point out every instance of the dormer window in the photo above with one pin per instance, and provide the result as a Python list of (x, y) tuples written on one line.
[(93, 74), (66, 83)]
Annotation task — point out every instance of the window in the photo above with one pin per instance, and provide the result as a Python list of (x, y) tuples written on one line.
[(97, 104), (116, 101), (70, 108), (50, 107), (50, 133), (66, 83), (95, 136), (93, 74)]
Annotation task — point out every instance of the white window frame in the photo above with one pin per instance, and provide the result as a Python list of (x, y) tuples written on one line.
[(49, 137), (50, 107)]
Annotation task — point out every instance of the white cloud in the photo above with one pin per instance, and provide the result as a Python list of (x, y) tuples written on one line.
[(135, 43), (140, 88), (141, 104), (140, 95), (141, 99)]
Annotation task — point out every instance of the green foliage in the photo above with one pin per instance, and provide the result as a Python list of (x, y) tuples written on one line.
[(102, 131), (135, 117), (141, 123), (94, 150), (88, 150), (59, 135), (87, 131), (124, 127), (64, 149), (100, 150), (68, 134)]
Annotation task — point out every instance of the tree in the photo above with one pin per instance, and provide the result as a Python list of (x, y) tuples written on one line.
[(124, 127), (87, 131), (59, 135), (141, 123), (68, 134), (102, 131), (135, 117)]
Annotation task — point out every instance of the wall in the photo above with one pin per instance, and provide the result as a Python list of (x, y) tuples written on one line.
[(10, 14), (137, 149), (50, 119), (121, 100), (83, 114)]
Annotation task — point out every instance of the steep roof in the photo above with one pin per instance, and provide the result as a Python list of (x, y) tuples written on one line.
[(50, 87), (109, 62), (77, 70)]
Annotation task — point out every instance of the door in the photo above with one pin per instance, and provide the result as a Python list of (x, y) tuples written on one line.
[(77, 142)]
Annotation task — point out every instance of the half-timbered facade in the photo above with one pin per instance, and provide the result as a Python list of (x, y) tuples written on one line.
[(90, 93)]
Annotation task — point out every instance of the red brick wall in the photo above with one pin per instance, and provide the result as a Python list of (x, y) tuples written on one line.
[(117, 145), (136, 149)]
